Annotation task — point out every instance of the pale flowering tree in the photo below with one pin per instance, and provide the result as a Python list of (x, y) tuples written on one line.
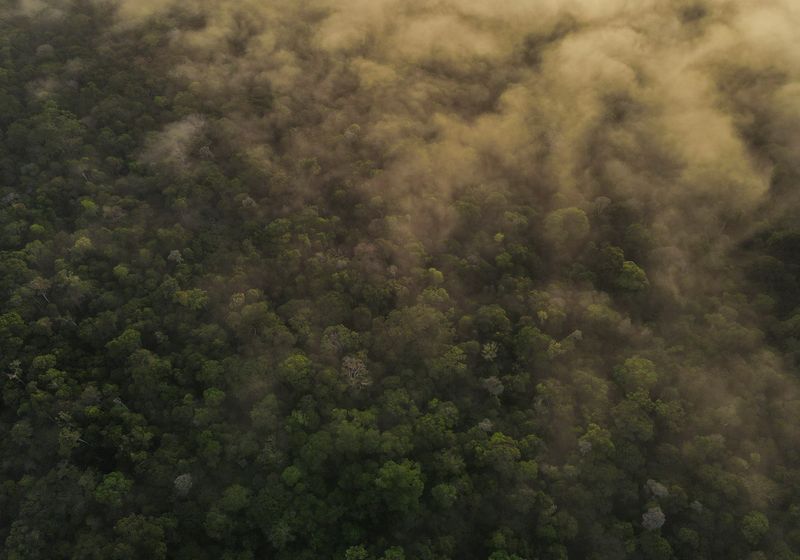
[(183, 483), (355, 372), (489, 351), (175, 256), (657, 489), (493, 385), (653, 519)]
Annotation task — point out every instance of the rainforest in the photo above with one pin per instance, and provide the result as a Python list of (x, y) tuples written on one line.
[(399, 279)]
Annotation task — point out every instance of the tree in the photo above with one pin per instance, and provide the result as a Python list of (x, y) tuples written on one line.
[(296, 371), (567, 227), (632, 278), (139, 537), (636, 374), (754, 527), (113, 489), (401, 486)]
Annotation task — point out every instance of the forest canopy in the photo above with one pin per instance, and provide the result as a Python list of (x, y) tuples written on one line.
[(399, 279)]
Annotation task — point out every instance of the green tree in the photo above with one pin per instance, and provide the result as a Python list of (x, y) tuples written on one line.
[(401, 486), (754, 527), (113, 489)]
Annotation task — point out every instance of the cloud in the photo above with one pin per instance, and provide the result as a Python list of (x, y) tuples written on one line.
[(173, 146), (678, 110)]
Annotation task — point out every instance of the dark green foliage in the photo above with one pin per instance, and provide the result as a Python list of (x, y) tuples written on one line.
[(203, 356)]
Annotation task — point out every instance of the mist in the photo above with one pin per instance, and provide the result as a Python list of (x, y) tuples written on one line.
[(570, 221)]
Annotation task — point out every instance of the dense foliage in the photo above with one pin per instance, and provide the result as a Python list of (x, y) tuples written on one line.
[(207, 354)]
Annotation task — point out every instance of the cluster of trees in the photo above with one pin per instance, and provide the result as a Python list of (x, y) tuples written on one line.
[(196, 366)]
